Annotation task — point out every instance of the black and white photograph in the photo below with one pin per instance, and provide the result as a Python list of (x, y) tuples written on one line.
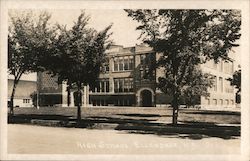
[(124, 80)]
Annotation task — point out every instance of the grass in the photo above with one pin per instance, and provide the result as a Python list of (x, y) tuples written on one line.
[(155, 114), (148, 120)]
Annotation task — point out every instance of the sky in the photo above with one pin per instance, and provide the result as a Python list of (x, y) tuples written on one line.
[(123, 29)]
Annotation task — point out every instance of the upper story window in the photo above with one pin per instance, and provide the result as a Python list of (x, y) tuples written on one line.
[(214, 87), (123, 63), (221, 66), (220, 85), (228, 87), (211, 64), (146, 66), (143, 59), (105, 67), (147, 59), (228, 67)]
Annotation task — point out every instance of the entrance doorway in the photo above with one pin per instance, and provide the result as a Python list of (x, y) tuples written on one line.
[(146, 96)]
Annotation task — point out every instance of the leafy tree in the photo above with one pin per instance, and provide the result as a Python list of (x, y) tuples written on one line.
[(78, 56), (185, 39), (33, 96), (29, 38), (236, 81), (198, 86)]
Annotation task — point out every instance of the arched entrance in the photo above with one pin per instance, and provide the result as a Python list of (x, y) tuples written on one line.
[(146, 98)]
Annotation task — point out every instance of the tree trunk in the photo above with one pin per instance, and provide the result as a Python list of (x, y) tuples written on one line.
[(12, 97), (78, 104), (68, 96), (175, 105)]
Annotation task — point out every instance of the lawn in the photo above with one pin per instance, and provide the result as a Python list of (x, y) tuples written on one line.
[(192, 123), (155, 114)]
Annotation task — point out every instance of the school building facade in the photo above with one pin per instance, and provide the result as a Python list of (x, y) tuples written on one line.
[(127, 80)]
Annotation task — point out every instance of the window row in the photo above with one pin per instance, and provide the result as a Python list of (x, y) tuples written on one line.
[(102, 86), (222, 66), (26, 100), (123, 63), (105, 68), (222, 85), (228, 67), (147, 59), (220, 102), (123, 85), (116, 102)]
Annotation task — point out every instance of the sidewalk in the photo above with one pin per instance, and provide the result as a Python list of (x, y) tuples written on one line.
[(225, 131), (157, 121), (26, 139)]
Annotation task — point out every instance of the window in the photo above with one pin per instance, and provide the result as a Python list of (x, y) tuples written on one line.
[(221, 102), (227, 102), (228, 87), (232, 102), (123, 85), (102, 86), (130, 85), (120, 64), (146, 59), (209, 64), (220, 84), (214, 65), (214, 87), (142, 59), (107, 86), (221, 65), (106, 67), (115, 64), (131, 62), (98, 87), (26, 100), (208, 101), (123, 63), (147, 62), (94, 102), (116, 85), (228, 67), (126, 63), (215, 101), (126, 85)]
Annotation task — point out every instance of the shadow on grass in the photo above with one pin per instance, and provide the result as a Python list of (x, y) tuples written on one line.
[(186, 129), (213, 112), (140, 115)]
